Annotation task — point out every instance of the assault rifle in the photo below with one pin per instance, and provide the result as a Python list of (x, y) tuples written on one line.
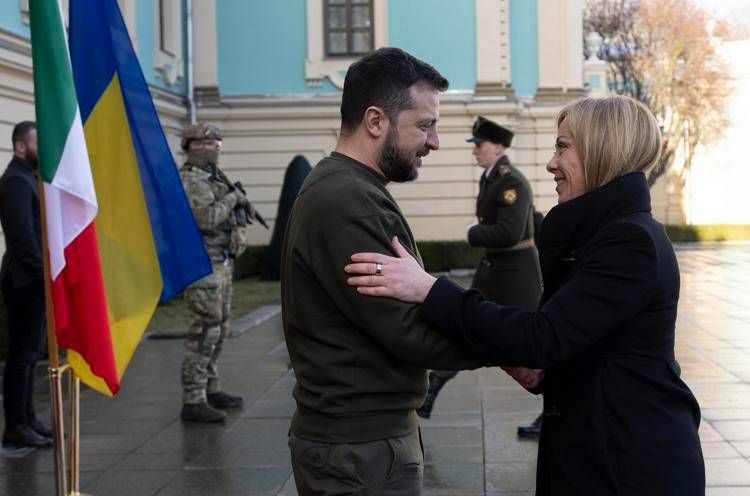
[(243, 215)]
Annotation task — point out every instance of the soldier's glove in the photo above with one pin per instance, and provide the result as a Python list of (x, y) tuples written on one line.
[(245, 211), (252, 213), (237, 241), (242, 200)]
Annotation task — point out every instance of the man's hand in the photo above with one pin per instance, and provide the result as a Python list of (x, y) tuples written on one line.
[(242, 200), (528, 378)]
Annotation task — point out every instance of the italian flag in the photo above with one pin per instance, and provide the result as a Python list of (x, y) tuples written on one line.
[(79, 301)]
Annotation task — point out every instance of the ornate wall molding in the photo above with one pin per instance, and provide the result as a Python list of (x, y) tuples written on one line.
[(168, 56)]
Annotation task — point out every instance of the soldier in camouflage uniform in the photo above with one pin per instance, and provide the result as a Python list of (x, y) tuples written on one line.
[(215, 203)]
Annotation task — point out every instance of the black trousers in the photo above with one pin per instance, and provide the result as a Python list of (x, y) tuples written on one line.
[(25, 307)]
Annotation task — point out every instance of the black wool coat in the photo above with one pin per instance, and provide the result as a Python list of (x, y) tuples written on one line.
[(618, 420), (21, 222)]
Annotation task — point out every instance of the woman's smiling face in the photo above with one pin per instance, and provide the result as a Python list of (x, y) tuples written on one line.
[(566, 166)]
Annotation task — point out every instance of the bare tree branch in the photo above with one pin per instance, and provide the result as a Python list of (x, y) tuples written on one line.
[(663, 53)]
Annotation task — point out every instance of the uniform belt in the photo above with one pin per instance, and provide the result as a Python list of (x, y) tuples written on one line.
[(522, 245)]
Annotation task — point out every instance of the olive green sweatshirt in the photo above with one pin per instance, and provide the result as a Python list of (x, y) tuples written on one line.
[(360, 362)]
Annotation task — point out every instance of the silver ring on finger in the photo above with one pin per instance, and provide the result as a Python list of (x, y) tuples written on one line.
[(378, 269)]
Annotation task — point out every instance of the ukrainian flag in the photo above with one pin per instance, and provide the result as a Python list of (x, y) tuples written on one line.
[(149, 245)]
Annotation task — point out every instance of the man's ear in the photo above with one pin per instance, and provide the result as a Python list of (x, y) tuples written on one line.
[(19, 148), (375, 121)]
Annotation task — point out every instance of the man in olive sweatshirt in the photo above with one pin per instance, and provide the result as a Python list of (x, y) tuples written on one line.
[(361, 362)]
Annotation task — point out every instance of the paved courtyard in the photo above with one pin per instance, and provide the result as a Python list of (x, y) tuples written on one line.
[(135, 443)]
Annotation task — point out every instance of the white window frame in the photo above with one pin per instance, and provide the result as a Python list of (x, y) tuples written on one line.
[(319, 67), (168, 62), (23, 6)]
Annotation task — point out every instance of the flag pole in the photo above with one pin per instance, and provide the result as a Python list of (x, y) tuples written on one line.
[(75, 432), (55, 371)]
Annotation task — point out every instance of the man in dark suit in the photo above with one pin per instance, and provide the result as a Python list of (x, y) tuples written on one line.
[(509, 272), (22, 280)]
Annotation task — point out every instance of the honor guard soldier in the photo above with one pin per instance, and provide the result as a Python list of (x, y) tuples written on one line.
[(222, 212), (509, 272)]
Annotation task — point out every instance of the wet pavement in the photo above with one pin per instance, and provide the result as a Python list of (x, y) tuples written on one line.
[(135, 444)]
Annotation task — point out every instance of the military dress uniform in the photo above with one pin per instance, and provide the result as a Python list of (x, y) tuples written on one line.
[(509, 272), (213, 202)]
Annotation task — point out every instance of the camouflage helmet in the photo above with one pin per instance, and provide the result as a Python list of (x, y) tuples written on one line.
[(199, 131)]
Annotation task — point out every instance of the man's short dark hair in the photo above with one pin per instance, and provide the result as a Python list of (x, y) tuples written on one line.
[(382, 79), (21, 131)]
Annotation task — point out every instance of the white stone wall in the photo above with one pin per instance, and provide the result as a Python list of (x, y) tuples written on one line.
[(16, 94), (263, 135)]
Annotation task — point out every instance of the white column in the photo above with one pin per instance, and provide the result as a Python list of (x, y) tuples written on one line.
[(128, 10), (205, 50), (560, 28), (493, 48)]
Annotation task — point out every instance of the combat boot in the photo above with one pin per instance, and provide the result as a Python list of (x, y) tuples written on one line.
[(436, 384), (202, 412), (224, 401)]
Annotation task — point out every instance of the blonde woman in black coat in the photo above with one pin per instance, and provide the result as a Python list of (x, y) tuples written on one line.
[(618, 420)]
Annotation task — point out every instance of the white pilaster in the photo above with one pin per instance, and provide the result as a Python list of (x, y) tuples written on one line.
[(205, 50), (560, 49), (493, 48)]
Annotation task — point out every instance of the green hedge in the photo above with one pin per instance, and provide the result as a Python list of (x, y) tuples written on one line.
[(250, 262), (441, 256), (710, 232), (438, 256)]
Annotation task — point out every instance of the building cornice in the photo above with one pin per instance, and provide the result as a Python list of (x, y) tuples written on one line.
[(452, 104), (15, 43)]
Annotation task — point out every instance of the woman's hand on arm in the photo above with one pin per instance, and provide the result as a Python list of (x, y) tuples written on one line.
[(399, 277)]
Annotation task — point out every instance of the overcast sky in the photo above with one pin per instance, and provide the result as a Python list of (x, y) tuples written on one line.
[(725, 7), (736, 11)]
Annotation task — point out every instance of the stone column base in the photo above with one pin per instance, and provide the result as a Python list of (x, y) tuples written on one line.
[(559, 95), (495, 89), (207, 96)]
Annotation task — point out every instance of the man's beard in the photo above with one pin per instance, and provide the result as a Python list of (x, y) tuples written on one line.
[(396, 165), (33, 160)]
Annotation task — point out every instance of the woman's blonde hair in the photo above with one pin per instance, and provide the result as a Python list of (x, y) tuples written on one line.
[(614, 135)]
